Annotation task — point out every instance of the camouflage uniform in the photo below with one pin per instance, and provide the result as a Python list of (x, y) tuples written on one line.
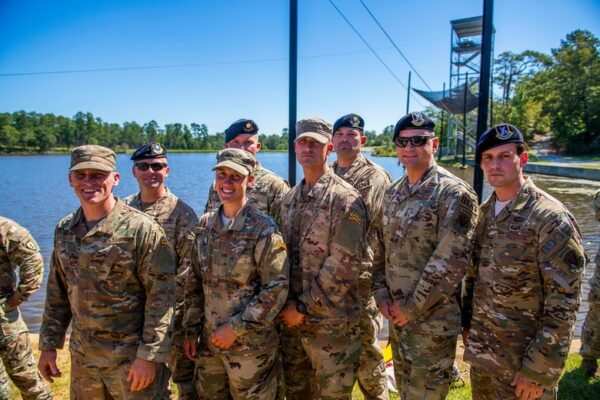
[(522, 293), (177, 219), (590, 337), (239, 276), (427, 232), (325, 229), (18, 250), (115, 284), (4, 383), (371, 181), (265, 194)]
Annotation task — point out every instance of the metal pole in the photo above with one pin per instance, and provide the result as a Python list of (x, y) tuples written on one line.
[(408, 94), (293, 77), (484, 84), (442, 127), (464, 149)]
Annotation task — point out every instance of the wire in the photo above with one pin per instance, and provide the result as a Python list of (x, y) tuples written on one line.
[(171, 66), (394, 44), (366, 43)]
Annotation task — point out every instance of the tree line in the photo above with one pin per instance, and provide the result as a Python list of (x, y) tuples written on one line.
[(557, 93), (23, 131)]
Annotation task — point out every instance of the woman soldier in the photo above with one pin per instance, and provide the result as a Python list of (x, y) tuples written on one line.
[(237, 285)]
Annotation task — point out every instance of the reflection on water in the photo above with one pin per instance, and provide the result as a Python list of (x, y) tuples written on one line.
[(36, 194)]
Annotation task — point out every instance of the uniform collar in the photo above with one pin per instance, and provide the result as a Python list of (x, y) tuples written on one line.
[(238, 222), (520, 202), (103, 226), (359, 161), (319, 188)]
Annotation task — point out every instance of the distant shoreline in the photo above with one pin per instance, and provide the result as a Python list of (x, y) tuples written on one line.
[(64, 151)]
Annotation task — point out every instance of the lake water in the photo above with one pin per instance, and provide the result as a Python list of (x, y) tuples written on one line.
[(36, 194)]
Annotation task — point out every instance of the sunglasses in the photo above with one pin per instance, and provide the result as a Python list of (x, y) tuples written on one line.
[(145, 166), (415, 141)]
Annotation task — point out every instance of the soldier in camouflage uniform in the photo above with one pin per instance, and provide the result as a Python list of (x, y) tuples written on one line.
[(18, 250), (112, 277), (237, 286), (522, 293), (428, 221), (176, 218), (323, 220), (590, 337), (371, 181), (268, 189), (4, 383)]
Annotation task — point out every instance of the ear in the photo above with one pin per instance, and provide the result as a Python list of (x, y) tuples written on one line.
[(70, 179), (167, 170), (523, 158), (117, 178), (258, 146), (363, 140), (329, 147), (250, 181), (133, 171), (435, 142)]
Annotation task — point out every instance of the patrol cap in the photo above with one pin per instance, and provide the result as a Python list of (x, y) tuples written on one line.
[(241, 127), (414, 120), (149, 150), (353, 121), (498, 135), (314, 128), (238, 160), (92, 156)]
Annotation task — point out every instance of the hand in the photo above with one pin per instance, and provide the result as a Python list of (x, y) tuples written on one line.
[(526, 389), (13, 301), (384, 309), (141, 374), (47, 365), (223, 337), (190, 348), (291, 316), (465, 336), (399, 317)]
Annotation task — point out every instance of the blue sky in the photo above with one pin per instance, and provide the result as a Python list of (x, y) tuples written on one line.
[(229, 58)]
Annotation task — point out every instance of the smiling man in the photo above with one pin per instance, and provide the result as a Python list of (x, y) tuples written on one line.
[(428, 220), (151, 169), (267, 189), (522, 293), (112, 278)]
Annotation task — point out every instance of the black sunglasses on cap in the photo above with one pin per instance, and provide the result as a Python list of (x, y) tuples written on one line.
[(415, 141), (156, 166)]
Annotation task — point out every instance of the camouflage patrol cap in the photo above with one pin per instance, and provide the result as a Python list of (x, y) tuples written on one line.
[(353, 121), (91, 156), (314, 128), (242, 126), (149, 150), (238, 160), (498, 135)]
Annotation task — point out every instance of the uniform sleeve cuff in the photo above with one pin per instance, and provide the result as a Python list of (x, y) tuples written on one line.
[(238, 326), (146, 353)]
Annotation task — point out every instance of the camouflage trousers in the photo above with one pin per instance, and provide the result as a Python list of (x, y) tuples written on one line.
[(245, 375), (320, 361), (17, 357), (486, 386), (182, 370), (424, 353), (590, 335), (371, 369), (93, 378), (4, 383)]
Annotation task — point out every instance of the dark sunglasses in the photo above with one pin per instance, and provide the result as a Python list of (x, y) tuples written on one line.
[(415, 141), (145, 166)]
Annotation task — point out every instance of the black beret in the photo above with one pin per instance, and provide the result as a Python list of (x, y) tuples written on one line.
[(240, 127), (149, 150), (497, 136), (353, 121), (414, 120)]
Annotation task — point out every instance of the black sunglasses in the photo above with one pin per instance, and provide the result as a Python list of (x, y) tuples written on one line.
[(415, 141), (145, 166)]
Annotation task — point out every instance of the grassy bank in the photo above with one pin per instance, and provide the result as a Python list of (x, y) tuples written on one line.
[(572, 386)]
